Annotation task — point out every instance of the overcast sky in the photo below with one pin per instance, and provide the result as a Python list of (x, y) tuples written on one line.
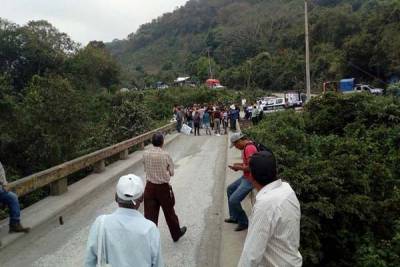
[(86, 20)]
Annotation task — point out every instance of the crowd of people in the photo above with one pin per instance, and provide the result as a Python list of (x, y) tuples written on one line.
[(212, 118), (254, 113)]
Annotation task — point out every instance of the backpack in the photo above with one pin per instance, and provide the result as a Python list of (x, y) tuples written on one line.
[(260, 147)]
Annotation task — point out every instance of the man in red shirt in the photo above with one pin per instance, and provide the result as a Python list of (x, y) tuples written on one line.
[(239, 189)]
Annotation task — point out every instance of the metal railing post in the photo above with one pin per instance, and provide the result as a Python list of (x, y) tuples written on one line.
[(59, 187), (99, 166), (124, 154)]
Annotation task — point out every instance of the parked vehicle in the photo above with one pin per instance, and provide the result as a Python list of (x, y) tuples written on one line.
[(293, 99), (278, 103), (214, 83), (369, 89), (347, 86)]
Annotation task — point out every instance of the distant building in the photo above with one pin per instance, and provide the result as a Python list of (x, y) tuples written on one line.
[(124, 90), (181, 81), (161, 85)]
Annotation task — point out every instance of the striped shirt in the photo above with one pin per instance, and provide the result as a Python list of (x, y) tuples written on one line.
[(273, 236), (158, 166)]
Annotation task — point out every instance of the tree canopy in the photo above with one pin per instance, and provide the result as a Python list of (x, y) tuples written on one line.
[(349, 38)]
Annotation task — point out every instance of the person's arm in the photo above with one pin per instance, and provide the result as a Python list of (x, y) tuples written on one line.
[(170, 166), (241, 167), (156, 255), (249, 150), (91, 247), (3, 180), (257, 238)]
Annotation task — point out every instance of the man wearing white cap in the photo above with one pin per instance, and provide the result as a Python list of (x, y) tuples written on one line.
[(125, 237)]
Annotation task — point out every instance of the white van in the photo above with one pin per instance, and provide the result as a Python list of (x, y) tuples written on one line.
[(274, 104)]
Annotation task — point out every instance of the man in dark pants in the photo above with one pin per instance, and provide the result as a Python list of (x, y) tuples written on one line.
[(179, 119), (11, 200), (234, 115), (239, 189), (159, 168)]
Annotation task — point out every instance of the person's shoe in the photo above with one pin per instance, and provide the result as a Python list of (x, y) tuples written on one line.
[(18, 228), (183, 231), (230, 220), (241, 227)]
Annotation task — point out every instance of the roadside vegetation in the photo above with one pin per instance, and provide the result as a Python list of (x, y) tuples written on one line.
[(341, 155)]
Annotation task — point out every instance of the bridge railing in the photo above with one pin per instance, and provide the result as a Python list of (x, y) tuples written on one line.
[(56, 176)]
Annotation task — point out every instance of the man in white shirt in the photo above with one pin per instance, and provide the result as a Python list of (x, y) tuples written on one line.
[(273, 236), (128, 238)]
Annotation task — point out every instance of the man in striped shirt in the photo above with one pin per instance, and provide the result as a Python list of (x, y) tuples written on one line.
[(273, 236), (158, 193)]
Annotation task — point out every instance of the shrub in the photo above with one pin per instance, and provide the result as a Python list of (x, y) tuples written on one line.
[(341, 156)]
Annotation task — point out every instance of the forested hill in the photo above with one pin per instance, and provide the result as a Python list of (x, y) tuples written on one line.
[(260, 43)]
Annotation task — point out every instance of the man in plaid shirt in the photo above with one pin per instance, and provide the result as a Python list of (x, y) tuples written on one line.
[(159, 168)]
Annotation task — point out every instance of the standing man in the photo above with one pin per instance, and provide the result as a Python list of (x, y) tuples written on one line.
[(11, 200), (128, 238), (159, 168), (238, 190), (179, 119), (196, 123), (273, 238), (206, 121), (217, 122), (234, 115), (254, 115)]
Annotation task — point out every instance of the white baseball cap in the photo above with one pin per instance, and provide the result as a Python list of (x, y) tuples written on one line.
[(130, 187)]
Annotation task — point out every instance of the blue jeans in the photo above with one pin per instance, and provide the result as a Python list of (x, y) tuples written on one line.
[(237, 191), (11, 200)]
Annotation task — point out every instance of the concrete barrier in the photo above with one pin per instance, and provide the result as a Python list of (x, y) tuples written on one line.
[(56, 176)]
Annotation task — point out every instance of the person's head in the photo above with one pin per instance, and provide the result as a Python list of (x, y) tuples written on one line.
[(239, 141), (130, 191), (263, 168), (158, 139)]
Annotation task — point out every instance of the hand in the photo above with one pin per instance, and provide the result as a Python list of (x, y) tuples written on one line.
[(6, 188), (233, 168)]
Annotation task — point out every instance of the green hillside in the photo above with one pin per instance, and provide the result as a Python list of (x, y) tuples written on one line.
[(260, 43)]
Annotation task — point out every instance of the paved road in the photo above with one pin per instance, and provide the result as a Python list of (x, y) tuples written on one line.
[(198, 185)]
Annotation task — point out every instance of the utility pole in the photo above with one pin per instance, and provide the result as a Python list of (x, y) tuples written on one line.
[(209, 64), (308, 78)]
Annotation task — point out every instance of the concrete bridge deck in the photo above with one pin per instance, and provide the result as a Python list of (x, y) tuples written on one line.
[(199, 184)]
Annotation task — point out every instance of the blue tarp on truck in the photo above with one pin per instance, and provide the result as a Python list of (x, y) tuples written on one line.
[(347, 85)]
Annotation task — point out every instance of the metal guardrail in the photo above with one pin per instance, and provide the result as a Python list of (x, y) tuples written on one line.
[(56, 176)]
